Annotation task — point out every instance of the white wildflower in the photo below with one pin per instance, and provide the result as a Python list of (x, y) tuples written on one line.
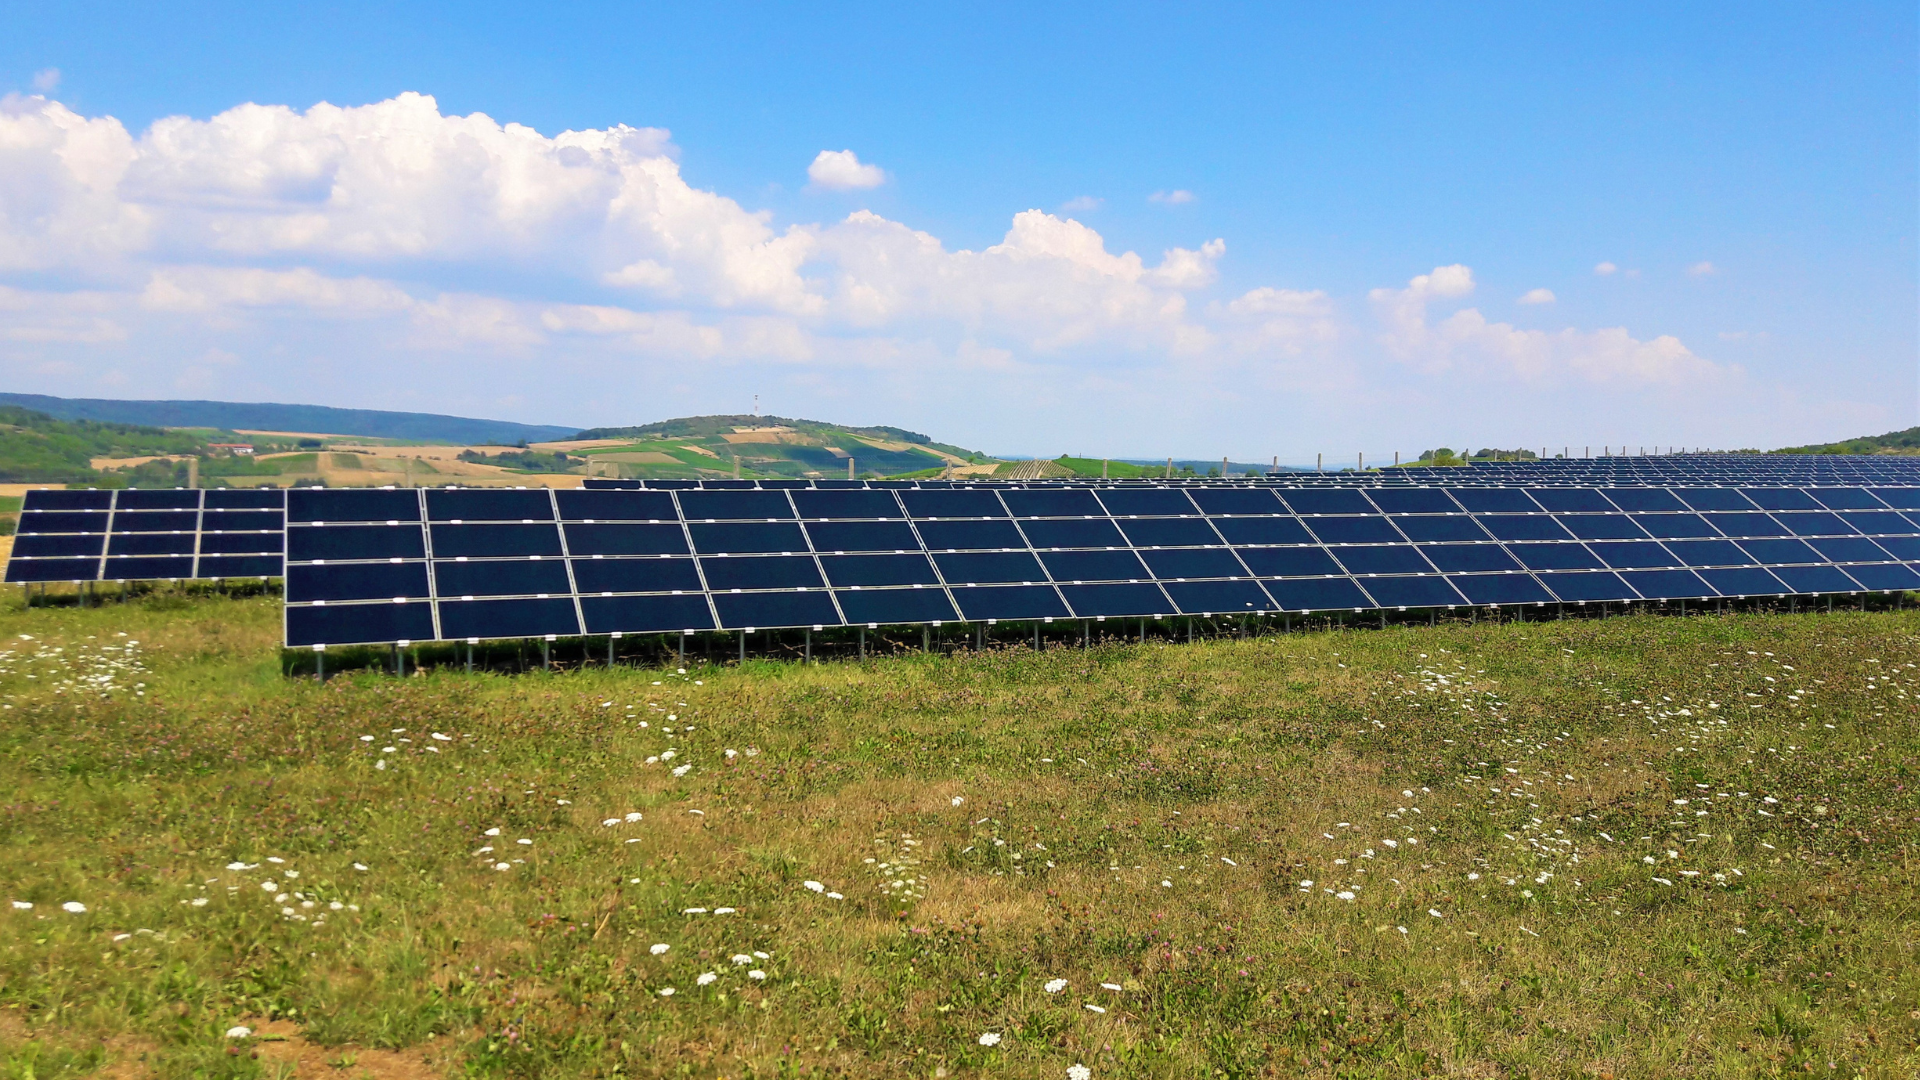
[(989, 1038), (1054, 986)]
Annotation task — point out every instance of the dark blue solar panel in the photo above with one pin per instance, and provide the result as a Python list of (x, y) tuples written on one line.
[(151, 544), (488, 504), (1440, 529), (21, 569), (1053, 502), (874, 571), (1384, 559), (970, 535), (1675, 526), (1523, 527), (1494, 500), (1714, 499), (1849, 549), (235, 520), (1413, 501), (1237, 501), (1290, 562), (358, 581), (1634, 555), (1217, 597), (1169, 532), (734, 505), (1815, 524), (1740, 526), (1500, 589), (1412, 592), (862, 535), (1326, 501), (352, 504), (233, 566), (635, 575), (1094, 566), (1262, 530), (246, 499), (645, 614), (1645, 499), (1667, 584), (355, 624), (1904, 548), (761, 572), (141, 567), (617, 506), (1317, 594), (156, 521), (1090, 601), (1886, 577), (625, 539), (846, 504), (508, 618), (1193, 563), (747, 538), (1740, 581), (179, 499), (30, 545), (897, 606), (767, 610), (494, 541), (1571, 500), (1555, 557), (502, 578), (1781, 499), (61, 521), (1574, 587), (1601, 527), (1467, 558), (953, 504), (1770, 552), (989, 567), (1009, 602), (1874, 523), (1354, 530), (1814, 579), (1709, 553), (1898, 498), (1072, 533), (1156, 502), (69, 500), (355, 542), (1845, 499)]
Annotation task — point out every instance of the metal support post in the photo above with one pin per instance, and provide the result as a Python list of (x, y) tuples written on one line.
[(609, 652), (393, 658), (1036, 637), (863, 643), (1189, 629), (743, 646), (320, 661), (1143, 631), (926, 639), (683, 648), (546, 655), (808, 648), (469, 657)]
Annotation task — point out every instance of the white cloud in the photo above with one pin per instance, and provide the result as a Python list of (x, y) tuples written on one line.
[(842, 170), (1702, 269), (1082, 204), (46, 80), (1537, 296), (1467, 341), (1605, 269), (1173, 198)]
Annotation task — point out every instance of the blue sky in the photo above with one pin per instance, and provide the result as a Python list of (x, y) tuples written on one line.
[(1748, 174)]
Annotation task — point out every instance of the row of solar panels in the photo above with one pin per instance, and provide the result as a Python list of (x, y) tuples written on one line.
[(375, 566), (134, 535)]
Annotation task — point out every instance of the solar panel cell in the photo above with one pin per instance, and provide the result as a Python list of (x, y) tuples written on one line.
[(1741, 526), (151, 544), (645, 614), (1153, 502), (1193, 563), (1494, 500), (61, 521), (1384, 559), (734, 505), (1091, 601), (508, 618), (1555, 557), (983, 602), (1714, 499), (1675, 526), (1634, 555), (143, 567), (1571, 500), (1601, 526), (1814, 579), (862, 536), (1469, 558), (1262, 530), (762, 572), (1354, 530), (771, 610), (1873, 523), (746, 538), (1500, 588), (355, 542), (502, 577), (603, 505), (1169, 532), (897, 606), (635, 575), (1709, 553), (359, 624), (1667, 584), (1524, 527), (1094, 566), (177, 499), (1291, 562), (21, 569), (71, 500), (1317, 594), (1072, 533), (1644, 499), (624, 538), (1885, 577), (1845, 498), (846, 504), (156, 521), (1818, 523), (358, 581), (1412, 592), (989, 567), (1218, 597), (970, 535), (1237, 501), (488, 504), (1767, 498), (1440, 529), (876, 571), (352, 504), (1588, 587), (1326, 501), (1742, 581), (494, 541), (1781, 552), (238, 566), (31, 545), (1053, 502), (953, 504), (1413, 501)]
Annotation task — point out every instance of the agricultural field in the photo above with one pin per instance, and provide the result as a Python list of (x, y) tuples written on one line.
[(1630, 847)]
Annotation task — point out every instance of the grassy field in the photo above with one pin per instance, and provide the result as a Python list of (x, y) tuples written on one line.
[(1636, 847)]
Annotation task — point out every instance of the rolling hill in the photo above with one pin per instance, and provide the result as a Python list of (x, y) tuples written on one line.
[(266, 416), (763, 446), (1893, 442)]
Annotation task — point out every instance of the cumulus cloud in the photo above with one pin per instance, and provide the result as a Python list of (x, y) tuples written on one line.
[(1467, 341), (842, 170), (1605, 269), (1172, 198), (1537, 296)]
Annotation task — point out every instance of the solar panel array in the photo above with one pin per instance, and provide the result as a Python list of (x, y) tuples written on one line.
[(375, 566), (136, 535)]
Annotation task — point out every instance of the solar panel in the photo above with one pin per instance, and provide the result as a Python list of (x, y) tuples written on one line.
[(145, 534)]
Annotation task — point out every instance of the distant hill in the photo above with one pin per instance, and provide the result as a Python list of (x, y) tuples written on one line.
[(767, 446), (39, 449), (1893, 442), (265, 416)]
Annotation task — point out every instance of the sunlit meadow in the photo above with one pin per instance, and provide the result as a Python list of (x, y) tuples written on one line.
[(1634, 847)]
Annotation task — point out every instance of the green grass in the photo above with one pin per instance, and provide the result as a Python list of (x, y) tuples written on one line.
[(1144, 816), (1116, 470)]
